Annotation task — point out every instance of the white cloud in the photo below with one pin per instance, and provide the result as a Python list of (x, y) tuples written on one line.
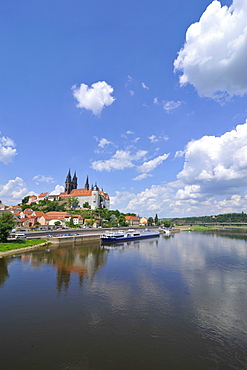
[(156, 101), (212, 181), (7, 151), (42, 178), (179, 153), (120, 160), (120, 197), (151, 165), (142, 176), (13, 191), (58, 189), (217, 163), (130, 132), (103, 142), (136, 139), (214, 56), (93, 98), (153, 139), (132, 93), (145, 86), (171, 105)]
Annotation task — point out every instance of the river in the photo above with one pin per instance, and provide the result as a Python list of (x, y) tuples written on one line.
[(177, 302)]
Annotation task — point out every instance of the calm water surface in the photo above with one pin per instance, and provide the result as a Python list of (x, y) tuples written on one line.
[(177, 302)]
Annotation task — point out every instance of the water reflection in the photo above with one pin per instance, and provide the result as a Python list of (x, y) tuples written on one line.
[(177, 302), (69, 260), (3, 271)]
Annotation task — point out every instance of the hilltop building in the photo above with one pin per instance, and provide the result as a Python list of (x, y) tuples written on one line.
[(95, 196)]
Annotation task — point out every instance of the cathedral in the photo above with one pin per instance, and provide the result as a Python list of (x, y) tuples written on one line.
[(95, 196)]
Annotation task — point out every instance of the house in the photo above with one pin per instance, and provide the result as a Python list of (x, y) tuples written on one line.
[(32, 199), (2, 206), (143, 221), (132, 220), (51, 218)]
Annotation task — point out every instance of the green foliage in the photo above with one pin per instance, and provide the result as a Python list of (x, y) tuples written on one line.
[(86, 205), (45, 206), (71, 222), (57, 223), (156, 220), (221, 218), (73, 202), (6, 225), (166, 223), (150, 221), (25, 200)]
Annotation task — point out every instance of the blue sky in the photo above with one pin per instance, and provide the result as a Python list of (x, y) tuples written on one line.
[(147, 98)]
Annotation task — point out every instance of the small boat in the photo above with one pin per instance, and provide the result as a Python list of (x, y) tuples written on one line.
[(162, 230), (120, 235)]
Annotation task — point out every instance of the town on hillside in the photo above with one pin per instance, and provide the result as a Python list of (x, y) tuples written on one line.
[(84, 207)]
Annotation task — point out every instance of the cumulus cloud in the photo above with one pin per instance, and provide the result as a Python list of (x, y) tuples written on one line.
[(216, 163), (142, 176), (120, 197), (7, 151), (58, 189), (179, 153), (13, 191), (171, 105), (93, 98), (214, 56), (151, 165), (42, 178), (120, 160)]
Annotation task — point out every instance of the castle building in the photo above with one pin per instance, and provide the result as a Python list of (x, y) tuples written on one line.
[(95, 197)]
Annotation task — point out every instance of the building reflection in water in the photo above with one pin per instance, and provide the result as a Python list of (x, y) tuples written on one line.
[(81, 260)]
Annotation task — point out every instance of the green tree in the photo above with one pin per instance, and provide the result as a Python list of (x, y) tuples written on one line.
[(71, 222), (86, 205), (73, 202), (25, 200), (6, 225), (156, 219), (167, 223), (122, 221), (150, 221), (57, 223)]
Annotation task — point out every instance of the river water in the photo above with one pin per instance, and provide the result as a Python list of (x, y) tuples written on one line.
[(177, 302)]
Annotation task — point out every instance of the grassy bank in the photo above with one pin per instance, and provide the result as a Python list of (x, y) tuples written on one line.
[(19, 243)]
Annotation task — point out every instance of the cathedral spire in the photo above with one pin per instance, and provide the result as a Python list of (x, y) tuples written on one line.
[(87, 184)]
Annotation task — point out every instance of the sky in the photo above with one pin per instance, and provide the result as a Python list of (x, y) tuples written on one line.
[(146, 98)]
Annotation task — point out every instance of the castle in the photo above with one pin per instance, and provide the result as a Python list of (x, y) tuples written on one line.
[(95, 196)]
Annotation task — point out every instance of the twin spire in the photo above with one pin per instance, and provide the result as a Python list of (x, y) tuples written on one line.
[(71, 184)]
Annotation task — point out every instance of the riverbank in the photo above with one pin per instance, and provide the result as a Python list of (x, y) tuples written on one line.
[(21, 246)]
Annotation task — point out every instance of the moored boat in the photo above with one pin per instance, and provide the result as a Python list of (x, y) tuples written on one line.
[(131, 234)]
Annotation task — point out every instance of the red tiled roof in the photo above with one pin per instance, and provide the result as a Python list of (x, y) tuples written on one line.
[(42, 195), (132, 217)]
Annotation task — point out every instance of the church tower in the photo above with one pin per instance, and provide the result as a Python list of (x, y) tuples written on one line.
[(87, 184), (68, 183), (74, 181)]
